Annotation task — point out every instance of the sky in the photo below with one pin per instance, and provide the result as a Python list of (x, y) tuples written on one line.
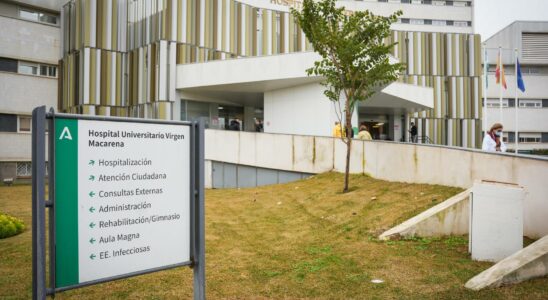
[(490, 16)]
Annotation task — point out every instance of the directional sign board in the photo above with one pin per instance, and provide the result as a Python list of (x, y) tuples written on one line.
[(125, 202)]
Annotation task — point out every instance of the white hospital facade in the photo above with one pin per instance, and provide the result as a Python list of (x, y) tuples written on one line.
[(220, 60)]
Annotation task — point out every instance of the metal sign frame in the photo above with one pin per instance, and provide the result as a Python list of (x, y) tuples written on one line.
[(40, 290)]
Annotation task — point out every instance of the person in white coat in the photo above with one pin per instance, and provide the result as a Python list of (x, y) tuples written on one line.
[(492, 141)]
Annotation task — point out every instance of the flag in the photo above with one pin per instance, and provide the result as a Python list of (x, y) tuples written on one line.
[(521, 85), (499, 73)]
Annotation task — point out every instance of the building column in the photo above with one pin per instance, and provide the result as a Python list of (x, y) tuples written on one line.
[(406, 127)]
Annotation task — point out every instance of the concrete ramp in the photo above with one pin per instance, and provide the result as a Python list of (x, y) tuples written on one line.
[(447, 218), (530, 262)]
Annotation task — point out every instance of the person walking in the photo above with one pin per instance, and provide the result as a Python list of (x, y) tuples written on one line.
[(492, 141), (413, 132), (364, 134), (337, 130)]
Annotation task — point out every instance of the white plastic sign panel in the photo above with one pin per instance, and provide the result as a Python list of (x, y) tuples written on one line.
[(122, 202)]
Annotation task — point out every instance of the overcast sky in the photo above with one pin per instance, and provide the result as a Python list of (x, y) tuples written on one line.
[(491, 16)]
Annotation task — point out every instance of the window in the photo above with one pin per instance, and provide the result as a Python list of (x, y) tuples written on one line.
[(460, 23), (30, 68), (530, 137), (496, 103), (405, 20), (439, 22), (24, 123), (449, 3), (427, 22), (450, 23), (417, 21), (36, 16), (534, 46), (530, 103), (24, 169), (8, 65), (426, 1), (8, 123)]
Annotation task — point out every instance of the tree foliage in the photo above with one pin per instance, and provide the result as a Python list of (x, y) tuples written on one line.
[(355, 52)]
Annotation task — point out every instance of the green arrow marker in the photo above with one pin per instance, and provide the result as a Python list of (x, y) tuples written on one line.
[(91, 194), (91, 177), (92, 240), (92, 256), (91, 209), (91, 225), (91, 162)]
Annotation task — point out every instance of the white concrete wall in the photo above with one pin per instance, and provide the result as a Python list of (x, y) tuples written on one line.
[(31, 41), (390, 161), (20, 93), (301, 109), (16, 146)]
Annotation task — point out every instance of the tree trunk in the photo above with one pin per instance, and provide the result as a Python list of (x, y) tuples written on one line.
[(348, 128)]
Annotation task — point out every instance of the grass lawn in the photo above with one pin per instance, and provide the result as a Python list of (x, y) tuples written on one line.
[(299, 240)]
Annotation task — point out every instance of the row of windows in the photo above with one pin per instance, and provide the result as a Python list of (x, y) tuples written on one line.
[(525, 70), (14, 123), (435, 22), (38, 16), (430, 2), (524, 103), (524, 137), (28, 68)]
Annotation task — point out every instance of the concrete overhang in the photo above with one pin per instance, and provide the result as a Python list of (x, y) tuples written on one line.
[(248, 78), (399, 98)]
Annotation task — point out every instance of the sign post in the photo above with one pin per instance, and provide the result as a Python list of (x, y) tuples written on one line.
[(126, 198)]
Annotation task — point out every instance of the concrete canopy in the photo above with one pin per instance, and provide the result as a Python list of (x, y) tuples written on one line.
[(244, 81)]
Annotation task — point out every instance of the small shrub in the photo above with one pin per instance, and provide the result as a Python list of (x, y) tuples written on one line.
[(10, 226)]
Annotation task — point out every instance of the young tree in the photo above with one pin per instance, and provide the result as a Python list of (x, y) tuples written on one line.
[(355, 56)]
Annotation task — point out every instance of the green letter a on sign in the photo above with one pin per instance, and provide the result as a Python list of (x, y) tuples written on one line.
[(65, 134)]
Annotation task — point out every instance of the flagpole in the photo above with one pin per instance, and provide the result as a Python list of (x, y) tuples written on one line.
[(500, 86), (516, 136), (485, 86)]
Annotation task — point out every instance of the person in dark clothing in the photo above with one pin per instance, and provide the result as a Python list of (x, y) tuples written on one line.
[(258, 125), (234, 125), (413, 132)]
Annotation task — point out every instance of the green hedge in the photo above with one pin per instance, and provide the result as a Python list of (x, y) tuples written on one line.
[(10, 226)]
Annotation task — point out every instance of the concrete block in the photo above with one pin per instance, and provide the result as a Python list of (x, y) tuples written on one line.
[(303, 153), (447, 164), (248, 149), (532, 176), (528, 263), (450, 217), (222, 145), (356, 156), (275, 151), (496, 222), (397, 162), (323, 159), (370, 158)]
